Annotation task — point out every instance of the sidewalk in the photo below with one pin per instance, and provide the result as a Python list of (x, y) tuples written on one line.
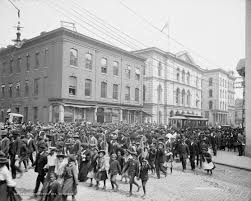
[(233, 160)]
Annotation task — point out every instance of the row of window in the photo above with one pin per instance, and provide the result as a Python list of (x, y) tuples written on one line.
[(103, 64), (15, 91), (103, 91), (222, 83), (24, 63), (222, 106)]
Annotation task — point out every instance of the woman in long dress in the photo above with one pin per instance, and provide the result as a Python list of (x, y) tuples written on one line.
[(208, 164), (70, 179)]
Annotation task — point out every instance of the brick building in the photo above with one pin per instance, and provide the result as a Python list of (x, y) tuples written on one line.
[(63, 75)]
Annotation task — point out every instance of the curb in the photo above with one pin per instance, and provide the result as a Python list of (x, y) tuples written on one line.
[(233, 166)]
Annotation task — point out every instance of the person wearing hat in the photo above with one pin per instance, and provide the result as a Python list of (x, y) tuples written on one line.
[(92, 164), (101, 174), (5, 177), (31, 147), (61, 162), (84, 162), (5, 143), (114, 169), (76, 149), (70, 179), (151, 157), (143, 174), (160, 159), (40, 163), (133, 170), (184, 152)]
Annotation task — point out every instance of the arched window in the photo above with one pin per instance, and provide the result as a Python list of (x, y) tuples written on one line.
[(178, 74), (188, 98), (183, 97), (188, 78), (73, 57), (159, 68), (144, 92), (177, 96), (210, 105), (159, 92), (183, 75)]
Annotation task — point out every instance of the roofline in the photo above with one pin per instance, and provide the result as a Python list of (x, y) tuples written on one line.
[(219, 70), (62, 31), (167, 54)]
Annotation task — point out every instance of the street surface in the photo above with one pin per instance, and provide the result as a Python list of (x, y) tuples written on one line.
[(226, 183)]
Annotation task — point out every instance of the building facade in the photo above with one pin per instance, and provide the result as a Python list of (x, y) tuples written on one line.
[(172, 85), (239, 120), (63, 75), (218, 97)]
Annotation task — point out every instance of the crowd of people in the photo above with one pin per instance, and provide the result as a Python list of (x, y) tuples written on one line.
[(64, 154)]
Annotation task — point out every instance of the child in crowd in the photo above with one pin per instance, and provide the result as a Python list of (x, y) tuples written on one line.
[(101, 174), (143, 174), (113, 171)]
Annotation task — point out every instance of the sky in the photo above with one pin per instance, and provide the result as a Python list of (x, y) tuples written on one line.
[(212, 31)]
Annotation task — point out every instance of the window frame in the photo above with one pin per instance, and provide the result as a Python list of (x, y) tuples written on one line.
[(104, 67), (88, 82), (115, 94), (88, 62), (103, 93), (73, 61)]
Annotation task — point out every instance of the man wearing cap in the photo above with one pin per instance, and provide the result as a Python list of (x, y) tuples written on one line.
[(133, 171), (159, 161), (184, 152)]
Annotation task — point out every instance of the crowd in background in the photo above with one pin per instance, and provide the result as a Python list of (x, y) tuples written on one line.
[(64, 154)]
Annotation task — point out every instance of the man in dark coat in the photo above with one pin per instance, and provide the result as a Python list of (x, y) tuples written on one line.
[(5, 143), (31, 147), (159, 161), (193, 149), (41, 161), (183, 151), (14, 151)]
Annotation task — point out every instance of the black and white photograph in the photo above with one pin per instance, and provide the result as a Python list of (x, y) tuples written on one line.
[(125, 100)]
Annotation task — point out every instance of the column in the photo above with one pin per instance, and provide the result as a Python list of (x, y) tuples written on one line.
[(50, 113), (95, 113), (61, 113), (85, 114), (121, 115), (128, 116), (74, 114)]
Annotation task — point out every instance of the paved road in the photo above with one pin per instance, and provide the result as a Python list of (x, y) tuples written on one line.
[(225, 184)]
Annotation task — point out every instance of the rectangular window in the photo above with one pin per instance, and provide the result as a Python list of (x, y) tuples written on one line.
[(26, 114), (116, 68), (4, 66), (210, 81), (35, 113), (73, 57), (127, 93), (11, 66), (137, 74), (128, 71), (27, 62), (37, 63), (3, 91), (19, 62), (72, 86), (103, 89), (17, 109), (46, 57), (36, 87), (115, 93), (137, 94), (26, 88), (103, 65), (18, 90), (88, 61), (88, 87), (10, 90)]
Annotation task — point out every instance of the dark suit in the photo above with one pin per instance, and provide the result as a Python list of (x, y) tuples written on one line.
[(14, 151), (159, 162), (183, 152), (193, 149), (31, 148), (5, 146), (41, 161)]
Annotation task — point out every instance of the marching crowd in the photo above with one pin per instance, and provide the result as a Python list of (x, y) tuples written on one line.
[(64, 154)]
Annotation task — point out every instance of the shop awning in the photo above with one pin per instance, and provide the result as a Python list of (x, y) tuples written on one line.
[(146, 113), (197, 119), (79, 106), (177, 117)]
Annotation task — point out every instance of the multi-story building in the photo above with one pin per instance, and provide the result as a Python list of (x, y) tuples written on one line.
[(239, 108), (63, 75), (172, 85), (218, 97)]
